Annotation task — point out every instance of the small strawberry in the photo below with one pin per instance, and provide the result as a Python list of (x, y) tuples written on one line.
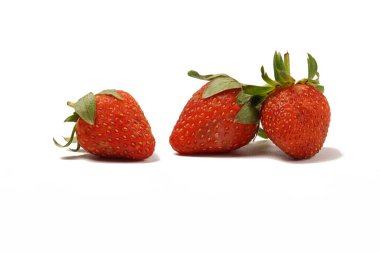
[(215, 119), (295, 115), (111, 124)]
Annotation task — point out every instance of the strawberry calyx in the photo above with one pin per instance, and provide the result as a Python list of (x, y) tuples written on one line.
[(84, 108), (313, 74), (248, 114), (218, 83), (282, 78)]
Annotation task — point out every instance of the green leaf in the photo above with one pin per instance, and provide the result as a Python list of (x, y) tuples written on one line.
[(195, 74), (72, 118), (219, 85), (112, 93), (312, 67), (243, 98), (262, 133), (266, 78), (85, 108), (247, 114), (255, 90)]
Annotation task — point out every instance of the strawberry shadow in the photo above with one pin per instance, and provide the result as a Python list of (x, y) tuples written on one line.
[(265, 149), (262, 148), (92, 158), (326, 154)]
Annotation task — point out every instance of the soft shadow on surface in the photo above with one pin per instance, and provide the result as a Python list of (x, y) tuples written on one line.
[(92, 158), (261, 148), (326, 154), (266, 149)]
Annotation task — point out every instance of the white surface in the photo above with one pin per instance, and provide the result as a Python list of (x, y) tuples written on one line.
[(254, 200)]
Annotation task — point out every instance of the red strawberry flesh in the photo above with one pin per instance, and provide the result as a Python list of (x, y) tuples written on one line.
[(120, 129), (207, 125), (296, 119)]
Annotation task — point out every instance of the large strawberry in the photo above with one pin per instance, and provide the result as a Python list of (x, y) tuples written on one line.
[(217, 118), (295, 115), (111, 124)]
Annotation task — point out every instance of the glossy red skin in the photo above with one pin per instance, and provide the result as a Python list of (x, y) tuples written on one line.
[(296, 119), (120, 130), (208, 126)]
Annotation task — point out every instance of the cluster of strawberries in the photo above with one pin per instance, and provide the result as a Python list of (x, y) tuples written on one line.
[(221, 116)]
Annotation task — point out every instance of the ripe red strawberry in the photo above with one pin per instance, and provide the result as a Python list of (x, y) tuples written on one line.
[(215, 119), (111, 124), (295, 115)]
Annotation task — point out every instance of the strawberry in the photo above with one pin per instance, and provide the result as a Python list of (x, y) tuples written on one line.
[(111, 124), (295, 116), (215, 119)]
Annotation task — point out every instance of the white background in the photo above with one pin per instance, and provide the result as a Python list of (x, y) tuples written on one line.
[(252, 200)]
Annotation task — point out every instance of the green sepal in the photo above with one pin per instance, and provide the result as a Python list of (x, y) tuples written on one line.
[(313, 75), (267, 79), (85, 107), (262, 133), (257, 100), (74, 140), (111, 92), (287, 63), (195, 74), (317, 74), (321, 88), (282, 69), (218, 83), (285, 78), (75, 149), (312, 68), (70, 140), (72, 118), (312, 82), (242, 97), (255, 90), (278, 66), (248, 114)]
